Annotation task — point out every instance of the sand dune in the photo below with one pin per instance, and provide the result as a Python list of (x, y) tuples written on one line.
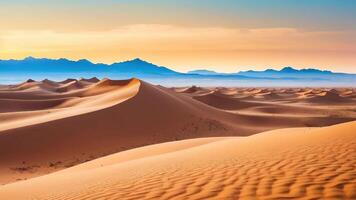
[(221, 101), (297, 163), (100, 123), (93, 98), (328, 97), (193, 90), (291, 102), (43, 129), (25, 85), (91, 80), (74, 85)]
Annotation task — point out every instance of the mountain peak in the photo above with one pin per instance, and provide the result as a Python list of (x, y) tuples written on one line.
[(84, 61), (288, 69), (138, 60), (138, 65), (30, 58)]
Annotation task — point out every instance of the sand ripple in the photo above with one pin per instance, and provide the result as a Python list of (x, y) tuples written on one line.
[(296, 163)]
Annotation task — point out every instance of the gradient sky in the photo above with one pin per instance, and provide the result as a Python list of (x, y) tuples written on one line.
[(225, 35)]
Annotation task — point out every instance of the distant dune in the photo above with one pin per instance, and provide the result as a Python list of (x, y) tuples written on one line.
[(297, 163), (47, 126)]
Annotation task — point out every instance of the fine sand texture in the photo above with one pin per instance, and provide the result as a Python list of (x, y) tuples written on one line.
[(47, 126), (293, 163)]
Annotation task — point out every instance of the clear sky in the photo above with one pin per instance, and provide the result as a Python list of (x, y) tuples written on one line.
[(224, 35)]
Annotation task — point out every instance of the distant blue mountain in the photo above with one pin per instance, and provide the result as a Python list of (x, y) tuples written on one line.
[(204, 72), (43, 65), (40, 68), (31, 64), (288, 72), (139, 66)]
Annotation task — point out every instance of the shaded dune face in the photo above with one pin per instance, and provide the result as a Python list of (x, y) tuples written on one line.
[(295, 163), (47, 126)]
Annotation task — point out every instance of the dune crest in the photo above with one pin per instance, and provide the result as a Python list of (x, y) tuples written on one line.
[(91, 98)]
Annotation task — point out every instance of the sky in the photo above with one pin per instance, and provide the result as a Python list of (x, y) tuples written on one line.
[(224, 35)]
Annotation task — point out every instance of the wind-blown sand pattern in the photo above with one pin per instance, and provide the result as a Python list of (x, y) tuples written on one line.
[(48, 126), (302, 163)]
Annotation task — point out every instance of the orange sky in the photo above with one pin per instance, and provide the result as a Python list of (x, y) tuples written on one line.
[(214, 43)]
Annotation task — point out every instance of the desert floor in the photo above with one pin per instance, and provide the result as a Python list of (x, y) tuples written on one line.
[(109, 139)]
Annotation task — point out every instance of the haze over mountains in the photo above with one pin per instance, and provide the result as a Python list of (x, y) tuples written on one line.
[(40, 68)]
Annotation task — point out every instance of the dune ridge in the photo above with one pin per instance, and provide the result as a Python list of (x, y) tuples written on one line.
[(95, 97)]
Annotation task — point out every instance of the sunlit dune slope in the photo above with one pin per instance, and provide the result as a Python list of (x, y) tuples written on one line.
[(296, 163)]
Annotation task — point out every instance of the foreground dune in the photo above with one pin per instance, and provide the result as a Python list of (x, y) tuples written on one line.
[(46, 126), (300, 163), (103, 118)]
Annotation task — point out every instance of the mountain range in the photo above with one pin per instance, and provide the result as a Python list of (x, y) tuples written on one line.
[(31, 64), (16, 70), (284, 72)]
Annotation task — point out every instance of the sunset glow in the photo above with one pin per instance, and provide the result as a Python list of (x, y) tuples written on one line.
[(199, 34)]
